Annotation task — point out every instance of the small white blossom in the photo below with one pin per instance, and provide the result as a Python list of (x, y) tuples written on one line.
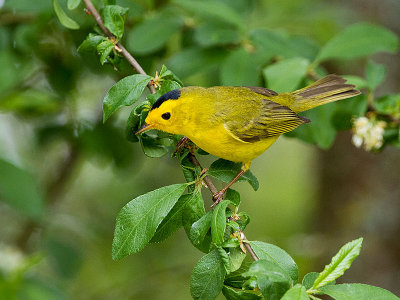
[(11, 259), (368, 132)]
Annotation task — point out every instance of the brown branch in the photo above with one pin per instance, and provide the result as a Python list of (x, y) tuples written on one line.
[(132, 61), (248, 246)]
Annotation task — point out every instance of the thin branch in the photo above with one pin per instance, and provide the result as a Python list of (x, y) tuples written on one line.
[(132, 61), (248, 246), (206, 179)]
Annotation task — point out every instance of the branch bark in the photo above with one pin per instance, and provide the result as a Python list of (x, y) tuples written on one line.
[(132, 61)]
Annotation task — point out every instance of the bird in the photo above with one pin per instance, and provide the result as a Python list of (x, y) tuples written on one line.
[(239, 123)]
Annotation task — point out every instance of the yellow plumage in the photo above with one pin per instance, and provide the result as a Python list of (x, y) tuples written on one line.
[(240, 123)]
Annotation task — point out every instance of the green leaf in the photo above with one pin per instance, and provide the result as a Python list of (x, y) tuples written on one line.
[(114, 19), (218, 222), (224, 258), (125, 92), (138, 220), (233, 196), (72, 4), (240, 68), (132, 124), (212, 34), (231, 293), (212, 10), (271, 279), (286, 75), (153, 147), (152, 34), (359, 40), (298, 292), (321, 130), (244, 220), (236, 257), (356, 291), (359, 82), (389, 104), (63, 18), (277, 256), (346, 110), (207, 277), (274, 43), (104, 49), (309, 279), (195, 60), (89, 45), (375, 74), (200, 228), (167, 75), (173, 221), (225, 171), (339, 264), (19, 190)]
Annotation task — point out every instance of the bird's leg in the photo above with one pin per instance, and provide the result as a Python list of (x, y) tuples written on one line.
[(217, 197), (181, 143)]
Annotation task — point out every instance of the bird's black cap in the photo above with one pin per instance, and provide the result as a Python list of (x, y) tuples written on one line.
[(171, 95)]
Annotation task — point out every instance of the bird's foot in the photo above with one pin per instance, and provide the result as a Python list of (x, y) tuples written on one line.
[(182, 143), (217, 198)]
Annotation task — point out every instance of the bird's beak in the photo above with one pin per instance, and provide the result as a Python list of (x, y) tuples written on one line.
[(144, 128)]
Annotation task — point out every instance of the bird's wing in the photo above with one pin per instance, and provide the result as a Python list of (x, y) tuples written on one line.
[(271, 120)]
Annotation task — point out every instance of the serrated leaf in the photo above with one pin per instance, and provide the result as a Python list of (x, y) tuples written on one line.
[(359, 40), (309, 279), (200, 228), (298, 292), (207, 277), (233, 196), (225, 259), (173, 221), (72, 4), (152, 147), (375, 74), (272, 280), (218, 223), (152, 34), (125, 92), (225, 171), (339, 263), (114, 19), (236, 257), (356, 291), (231, 293), (138, 220), (286, 75), (89, 45), (104, 49), (212, 10), (19, 190), (277, 256), (63, 18), (212, 33), (168, 75), (240, 68)]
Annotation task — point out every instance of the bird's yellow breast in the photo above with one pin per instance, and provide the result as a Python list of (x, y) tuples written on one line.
[(218, 142)]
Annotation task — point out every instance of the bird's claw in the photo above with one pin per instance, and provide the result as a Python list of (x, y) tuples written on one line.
[(182, 142), (217, 198)]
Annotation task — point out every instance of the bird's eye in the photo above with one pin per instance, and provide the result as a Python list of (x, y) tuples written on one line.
[(166, 116)]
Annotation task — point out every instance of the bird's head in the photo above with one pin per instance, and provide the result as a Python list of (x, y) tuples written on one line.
[(166, 114)]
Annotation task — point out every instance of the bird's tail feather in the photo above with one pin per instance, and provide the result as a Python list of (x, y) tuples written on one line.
[(328, 89)]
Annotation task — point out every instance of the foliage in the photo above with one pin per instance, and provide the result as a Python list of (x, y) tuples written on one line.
[(214, 36)]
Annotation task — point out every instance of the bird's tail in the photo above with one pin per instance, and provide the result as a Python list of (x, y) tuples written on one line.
[(328, 89)]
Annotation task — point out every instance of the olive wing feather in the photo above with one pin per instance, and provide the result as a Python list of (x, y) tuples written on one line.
[(271, 120)]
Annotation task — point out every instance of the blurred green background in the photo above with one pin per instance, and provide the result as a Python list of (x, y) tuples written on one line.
[(68, 175)]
